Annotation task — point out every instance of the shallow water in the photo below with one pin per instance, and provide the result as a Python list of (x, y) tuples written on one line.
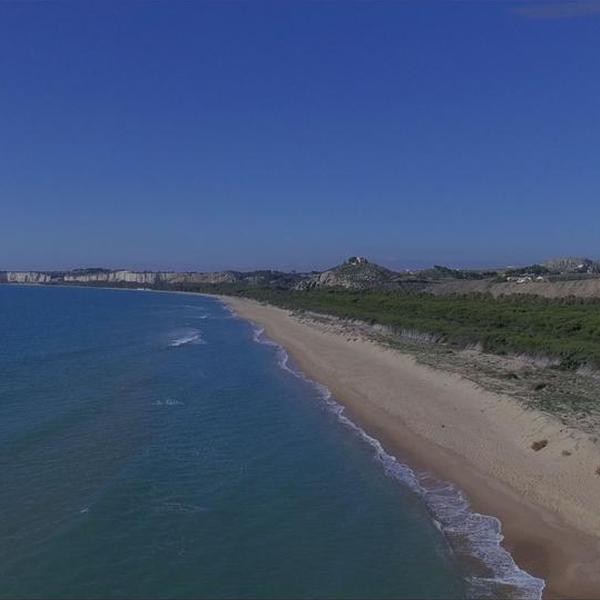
[(150, 447)]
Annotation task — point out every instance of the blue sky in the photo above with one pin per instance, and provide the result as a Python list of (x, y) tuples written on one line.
[(191, 135)]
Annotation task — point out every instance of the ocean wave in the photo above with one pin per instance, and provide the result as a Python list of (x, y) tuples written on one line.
[(282, 355), (232, 314), (475, 539), (168, 402), (197, 309), (192, 336), (178, 507)]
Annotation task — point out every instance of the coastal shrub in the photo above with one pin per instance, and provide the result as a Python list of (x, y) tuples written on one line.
[(560, 331)]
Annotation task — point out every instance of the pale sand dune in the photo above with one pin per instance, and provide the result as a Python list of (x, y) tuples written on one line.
[(548, 502)]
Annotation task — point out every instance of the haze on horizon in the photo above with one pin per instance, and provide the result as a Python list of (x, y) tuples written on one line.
[(208, 136)]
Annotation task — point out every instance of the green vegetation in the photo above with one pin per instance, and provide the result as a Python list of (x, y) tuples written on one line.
[(531, 270), (441, 272), (565, 329)]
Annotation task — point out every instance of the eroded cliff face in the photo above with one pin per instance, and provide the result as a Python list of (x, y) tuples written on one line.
[(74, 277), (143, 277), (25, 277), (103, 276)]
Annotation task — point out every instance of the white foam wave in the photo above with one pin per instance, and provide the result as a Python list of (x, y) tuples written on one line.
[(190, 337), (282, 355), (470, 535), (168, 402), (231, 311), (257, 333)]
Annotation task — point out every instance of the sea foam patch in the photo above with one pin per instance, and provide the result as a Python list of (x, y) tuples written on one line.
[(189, 336), (475, 539)]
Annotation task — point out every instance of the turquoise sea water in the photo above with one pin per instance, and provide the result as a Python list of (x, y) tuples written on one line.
[(155, 446)]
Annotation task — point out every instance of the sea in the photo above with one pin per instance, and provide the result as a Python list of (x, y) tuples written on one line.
[(155, 445)]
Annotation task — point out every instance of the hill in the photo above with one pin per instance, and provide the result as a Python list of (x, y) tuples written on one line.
[(356, 273)]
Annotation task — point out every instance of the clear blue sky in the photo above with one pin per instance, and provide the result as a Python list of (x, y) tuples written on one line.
[(191, 135)]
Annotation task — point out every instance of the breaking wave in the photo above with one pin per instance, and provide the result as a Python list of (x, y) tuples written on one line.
[(192, 336)]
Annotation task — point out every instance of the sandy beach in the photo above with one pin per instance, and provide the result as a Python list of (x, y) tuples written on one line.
[(547, 500)]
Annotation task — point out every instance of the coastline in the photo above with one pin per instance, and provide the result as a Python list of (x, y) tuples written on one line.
[(458, 432)]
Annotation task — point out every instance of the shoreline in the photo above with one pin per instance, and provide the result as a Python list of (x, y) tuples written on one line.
[(442, 424), (549, 524)]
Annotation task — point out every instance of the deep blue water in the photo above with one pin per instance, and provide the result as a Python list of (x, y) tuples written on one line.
[(150, 447)]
